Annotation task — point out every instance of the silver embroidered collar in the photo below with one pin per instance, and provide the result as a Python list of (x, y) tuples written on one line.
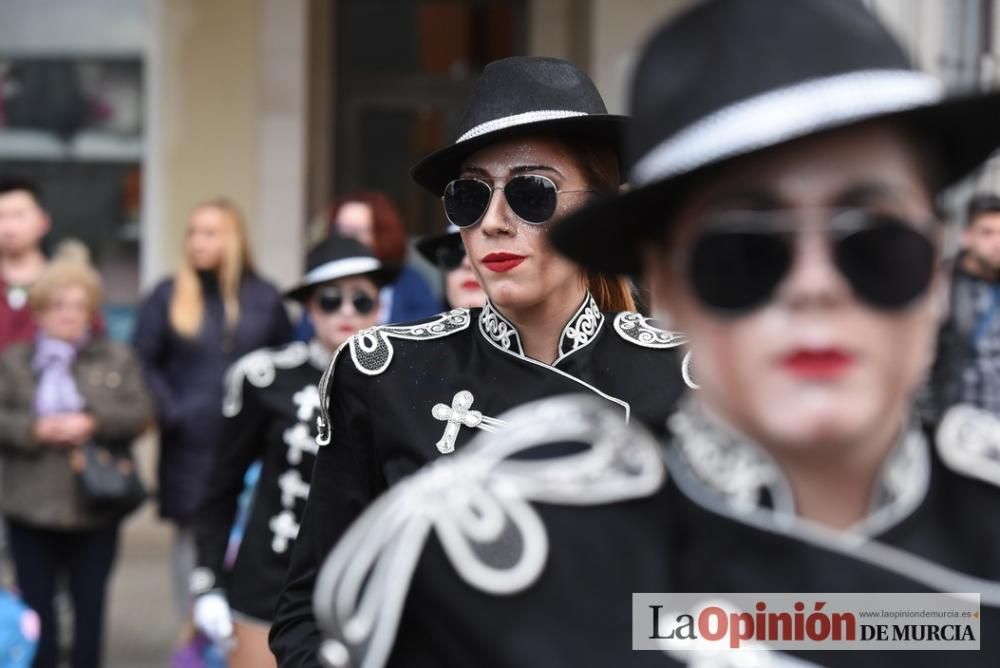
[(581, 330), (732, 466)]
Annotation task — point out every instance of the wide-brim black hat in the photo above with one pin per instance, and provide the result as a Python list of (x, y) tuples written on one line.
[(730, 78), (520, 96), (428, 247), (339, 257)]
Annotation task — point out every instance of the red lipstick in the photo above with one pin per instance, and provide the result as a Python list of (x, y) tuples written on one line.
[(470, 285), (501, 262), (825, 364)]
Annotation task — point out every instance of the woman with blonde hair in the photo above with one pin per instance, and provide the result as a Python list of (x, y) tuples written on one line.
[(214, 310), (65, 389)]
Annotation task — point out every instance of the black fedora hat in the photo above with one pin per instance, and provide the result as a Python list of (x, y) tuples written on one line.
[(339, 257), (730, 78), (429, 247), (518, 96)]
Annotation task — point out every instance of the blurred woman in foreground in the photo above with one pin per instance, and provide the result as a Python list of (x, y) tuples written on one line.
[(785, 218)]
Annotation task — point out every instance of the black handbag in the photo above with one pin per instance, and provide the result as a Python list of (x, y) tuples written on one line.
[(107, 479)]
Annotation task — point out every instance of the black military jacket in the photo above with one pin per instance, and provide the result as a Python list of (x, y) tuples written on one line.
[(403, 396), (489, 560), (271, 405)]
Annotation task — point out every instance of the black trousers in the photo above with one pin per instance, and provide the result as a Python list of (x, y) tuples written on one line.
[(85, 558)]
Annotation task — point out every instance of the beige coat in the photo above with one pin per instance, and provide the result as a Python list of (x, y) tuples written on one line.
[(38, 485)]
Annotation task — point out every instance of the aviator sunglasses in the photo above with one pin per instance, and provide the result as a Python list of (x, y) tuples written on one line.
[(740, 258), (531, 197), (331, 300)]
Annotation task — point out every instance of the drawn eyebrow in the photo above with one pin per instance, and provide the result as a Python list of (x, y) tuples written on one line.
[(521, 169), (475, 170), (867, 194)]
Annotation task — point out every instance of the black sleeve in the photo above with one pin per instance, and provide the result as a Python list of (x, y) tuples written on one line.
[(152, 331), (243, 441), (346, 478)]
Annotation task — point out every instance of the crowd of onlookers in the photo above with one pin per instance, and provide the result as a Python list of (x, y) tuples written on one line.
[(64, 384)]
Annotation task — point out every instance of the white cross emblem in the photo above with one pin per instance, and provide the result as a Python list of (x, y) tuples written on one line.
[(307, 399), (285, 530), (299, 440), (458, 416), (292, 487)]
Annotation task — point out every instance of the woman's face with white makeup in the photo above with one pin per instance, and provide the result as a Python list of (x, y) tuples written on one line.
[(512, 259), (814, 365), (334, 309)]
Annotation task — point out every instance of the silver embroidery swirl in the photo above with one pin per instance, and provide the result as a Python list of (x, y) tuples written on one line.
[(636, 328), (582, 328), (498, 329), (259, 369), (475, 502), (372, 350), (739, 470), (968, 440), (724, 461)]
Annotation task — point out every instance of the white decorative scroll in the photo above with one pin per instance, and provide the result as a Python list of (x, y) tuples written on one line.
[(259, 369), (372, 351), (581, 329), (498, 330), (968, 440), (638, 329)]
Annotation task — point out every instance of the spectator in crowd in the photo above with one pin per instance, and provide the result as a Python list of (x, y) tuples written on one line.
[(447, 252), (192, 327), (271, 407), (57, 392), (373, 219), (23, 224), (967, 365)]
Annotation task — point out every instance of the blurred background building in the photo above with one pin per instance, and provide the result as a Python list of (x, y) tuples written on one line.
[(131, 111)]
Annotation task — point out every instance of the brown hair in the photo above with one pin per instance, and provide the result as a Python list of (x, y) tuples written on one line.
[(387, 224), (187, 304), (600, 166), (70, 267)]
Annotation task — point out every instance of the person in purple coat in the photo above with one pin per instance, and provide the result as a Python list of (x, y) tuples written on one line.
[(190, 329)]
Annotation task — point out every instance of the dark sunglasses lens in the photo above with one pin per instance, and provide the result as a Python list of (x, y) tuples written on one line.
[(888, 264), (532, 198), (363, 303), (450, 257), (465, 201), (737, 271), (330, 301)]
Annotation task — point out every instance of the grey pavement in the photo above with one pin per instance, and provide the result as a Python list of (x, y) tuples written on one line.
[(142, 627)]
